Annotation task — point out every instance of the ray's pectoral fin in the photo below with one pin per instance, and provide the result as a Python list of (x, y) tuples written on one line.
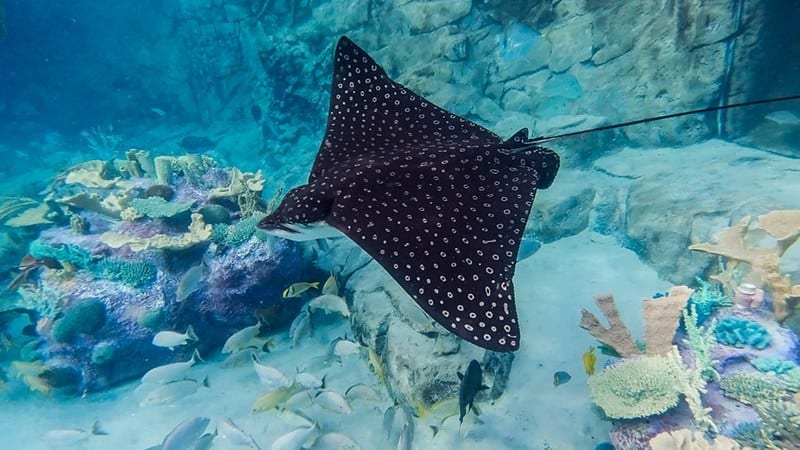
[(545, 161), (301, 215)]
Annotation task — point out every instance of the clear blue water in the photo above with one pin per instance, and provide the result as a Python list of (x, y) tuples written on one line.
[(222, 107)]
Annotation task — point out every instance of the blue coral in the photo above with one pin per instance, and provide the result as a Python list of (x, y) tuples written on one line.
[(139, 274), (738, 333), (63, 253), (706, 298), (770, 364)]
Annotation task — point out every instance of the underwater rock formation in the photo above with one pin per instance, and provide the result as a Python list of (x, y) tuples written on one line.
[(416, 358)]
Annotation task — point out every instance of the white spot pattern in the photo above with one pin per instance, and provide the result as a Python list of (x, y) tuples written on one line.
[(439, 201)]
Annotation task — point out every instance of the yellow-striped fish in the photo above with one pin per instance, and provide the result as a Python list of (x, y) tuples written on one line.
[(297, 289), (589, 361)]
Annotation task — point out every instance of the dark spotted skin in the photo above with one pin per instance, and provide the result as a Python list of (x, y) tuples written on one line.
[(440, 202)]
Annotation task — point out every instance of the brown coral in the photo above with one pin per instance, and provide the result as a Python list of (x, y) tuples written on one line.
[(661, 317), (763, 262), (617, 335)]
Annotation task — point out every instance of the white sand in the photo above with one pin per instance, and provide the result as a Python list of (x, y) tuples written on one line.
[(551, 286)]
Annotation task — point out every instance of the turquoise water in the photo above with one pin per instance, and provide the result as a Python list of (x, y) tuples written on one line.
[(143, 143)]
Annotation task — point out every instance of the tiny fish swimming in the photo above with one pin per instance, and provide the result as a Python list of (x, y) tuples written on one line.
[(438, 201)]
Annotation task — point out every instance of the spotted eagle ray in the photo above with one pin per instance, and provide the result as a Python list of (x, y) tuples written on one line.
[(437, 200)]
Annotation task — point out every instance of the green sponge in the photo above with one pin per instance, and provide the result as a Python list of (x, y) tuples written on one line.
[(156, 207), (85, 316)]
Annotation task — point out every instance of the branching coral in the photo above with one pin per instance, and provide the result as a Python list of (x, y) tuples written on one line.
[(236, 234), (661, 321), (701, 341), (751, 388), (706, 298), (246, 189), (781, 424), (784, 227)]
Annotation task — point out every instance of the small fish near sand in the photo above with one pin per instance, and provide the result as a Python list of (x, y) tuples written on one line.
[(297, 289), (190, 282), (169, 393), (270, 377), (471, 385), (242, 338), (300, 327), (297, 439), (560, 378), (336, 441), (330, 303), (332, 401), (234, 434), (66, 437), (171, 372), (331, 286), (590, 360), (185, 435), (275, 398), (172, 339)]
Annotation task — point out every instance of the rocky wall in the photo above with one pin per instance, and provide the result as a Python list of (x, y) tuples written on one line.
[(549, 65)]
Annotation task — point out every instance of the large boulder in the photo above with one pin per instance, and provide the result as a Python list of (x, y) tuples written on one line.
[(418, 357), (716, 182)]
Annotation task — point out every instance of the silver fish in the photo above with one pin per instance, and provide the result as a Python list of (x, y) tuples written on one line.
[(241, 339), (185, 434), (235, 435), (171, 372), (309, 381), (189, 282), (336, 441), (171, 392), (172, 339), (330, 304), (345, 347), (407, 434), (333, 401), (270, 377), (361, 391), (296, 439), (301, 327), (330, 286), (65, 437)]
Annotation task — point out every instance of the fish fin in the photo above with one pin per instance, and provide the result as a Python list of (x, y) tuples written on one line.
[(190, 334), (475, 409), (460, 376), (97, 429), (196, 357), (205, 382), (483, 387)]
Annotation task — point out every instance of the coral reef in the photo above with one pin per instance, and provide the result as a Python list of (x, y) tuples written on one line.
[(738, 332), (661, 322), (133, 267), (761, 263)]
